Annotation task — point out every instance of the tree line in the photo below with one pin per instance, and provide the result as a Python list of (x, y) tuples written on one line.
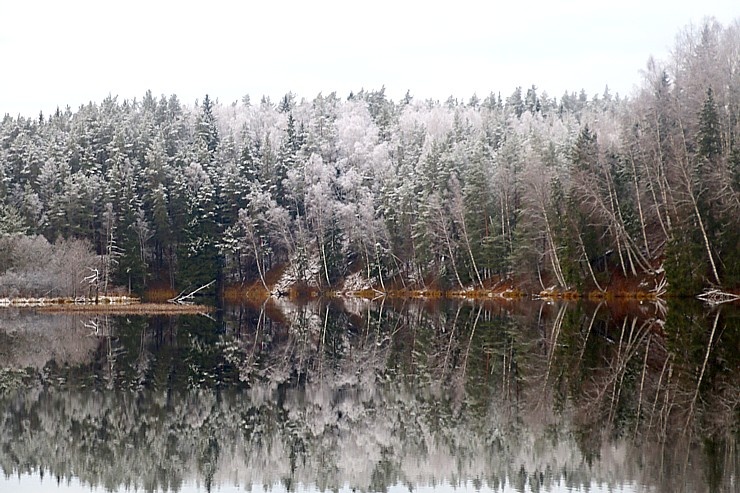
[(571, 192)]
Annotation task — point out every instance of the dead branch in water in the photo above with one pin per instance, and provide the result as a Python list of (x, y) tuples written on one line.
[(717, 297), (187, 299)]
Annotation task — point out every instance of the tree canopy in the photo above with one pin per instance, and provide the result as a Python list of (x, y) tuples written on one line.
[(566, 192)]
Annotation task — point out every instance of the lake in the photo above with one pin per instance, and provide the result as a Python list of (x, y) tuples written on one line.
[(386, 395)]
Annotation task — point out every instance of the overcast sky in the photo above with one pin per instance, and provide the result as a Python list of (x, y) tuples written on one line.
[(57, 53)]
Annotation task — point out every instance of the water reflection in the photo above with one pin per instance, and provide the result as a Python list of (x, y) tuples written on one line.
[(375, 397)]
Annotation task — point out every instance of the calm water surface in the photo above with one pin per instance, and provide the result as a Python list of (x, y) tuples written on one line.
[(373, 396)]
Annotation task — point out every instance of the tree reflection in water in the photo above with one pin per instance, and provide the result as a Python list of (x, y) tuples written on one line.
[(368, 395)]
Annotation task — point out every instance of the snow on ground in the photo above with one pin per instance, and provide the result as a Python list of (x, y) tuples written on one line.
[(311, 274), (294, 274), (356, 282)]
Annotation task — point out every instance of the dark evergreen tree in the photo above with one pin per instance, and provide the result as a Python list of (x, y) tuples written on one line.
[(710, 141), (286, 160), (531, 101), (207, 129), (515, 103)]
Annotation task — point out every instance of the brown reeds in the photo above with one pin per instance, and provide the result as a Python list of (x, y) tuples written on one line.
[(129, 309), (159, 294)]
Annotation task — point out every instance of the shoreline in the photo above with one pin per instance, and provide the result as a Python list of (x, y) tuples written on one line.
[(124, 305), (132, 305)]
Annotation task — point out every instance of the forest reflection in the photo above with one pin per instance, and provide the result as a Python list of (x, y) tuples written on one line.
[(531, 396)]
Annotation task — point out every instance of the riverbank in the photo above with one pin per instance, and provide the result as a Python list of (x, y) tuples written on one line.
[(279, 283), (122, 305), (131, 309), (31, 301)]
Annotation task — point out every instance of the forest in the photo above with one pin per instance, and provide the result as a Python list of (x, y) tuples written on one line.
[(582, 193)]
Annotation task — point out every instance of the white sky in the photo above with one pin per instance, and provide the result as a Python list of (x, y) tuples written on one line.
[(68, 52)]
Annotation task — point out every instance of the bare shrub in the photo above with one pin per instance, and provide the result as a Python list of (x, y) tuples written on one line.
[(31, 266)]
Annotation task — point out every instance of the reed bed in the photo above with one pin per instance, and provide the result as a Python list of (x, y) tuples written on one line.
[(130, 309), (124, 305)]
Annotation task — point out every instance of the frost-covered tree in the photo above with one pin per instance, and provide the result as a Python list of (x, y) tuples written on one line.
[(573, 191)]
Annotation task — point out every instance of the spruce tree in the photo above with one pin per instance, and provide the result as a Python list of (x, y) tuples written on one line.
[(710, 143), (207, 130)]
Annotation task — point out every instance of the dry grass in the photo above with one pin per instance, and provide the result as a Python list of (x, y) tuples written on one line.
[(255, 291), (368, 294), (129, 309), (416, 294), (511, 293), (37, 302), (159, 294), (570, 295), (495, 287)]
